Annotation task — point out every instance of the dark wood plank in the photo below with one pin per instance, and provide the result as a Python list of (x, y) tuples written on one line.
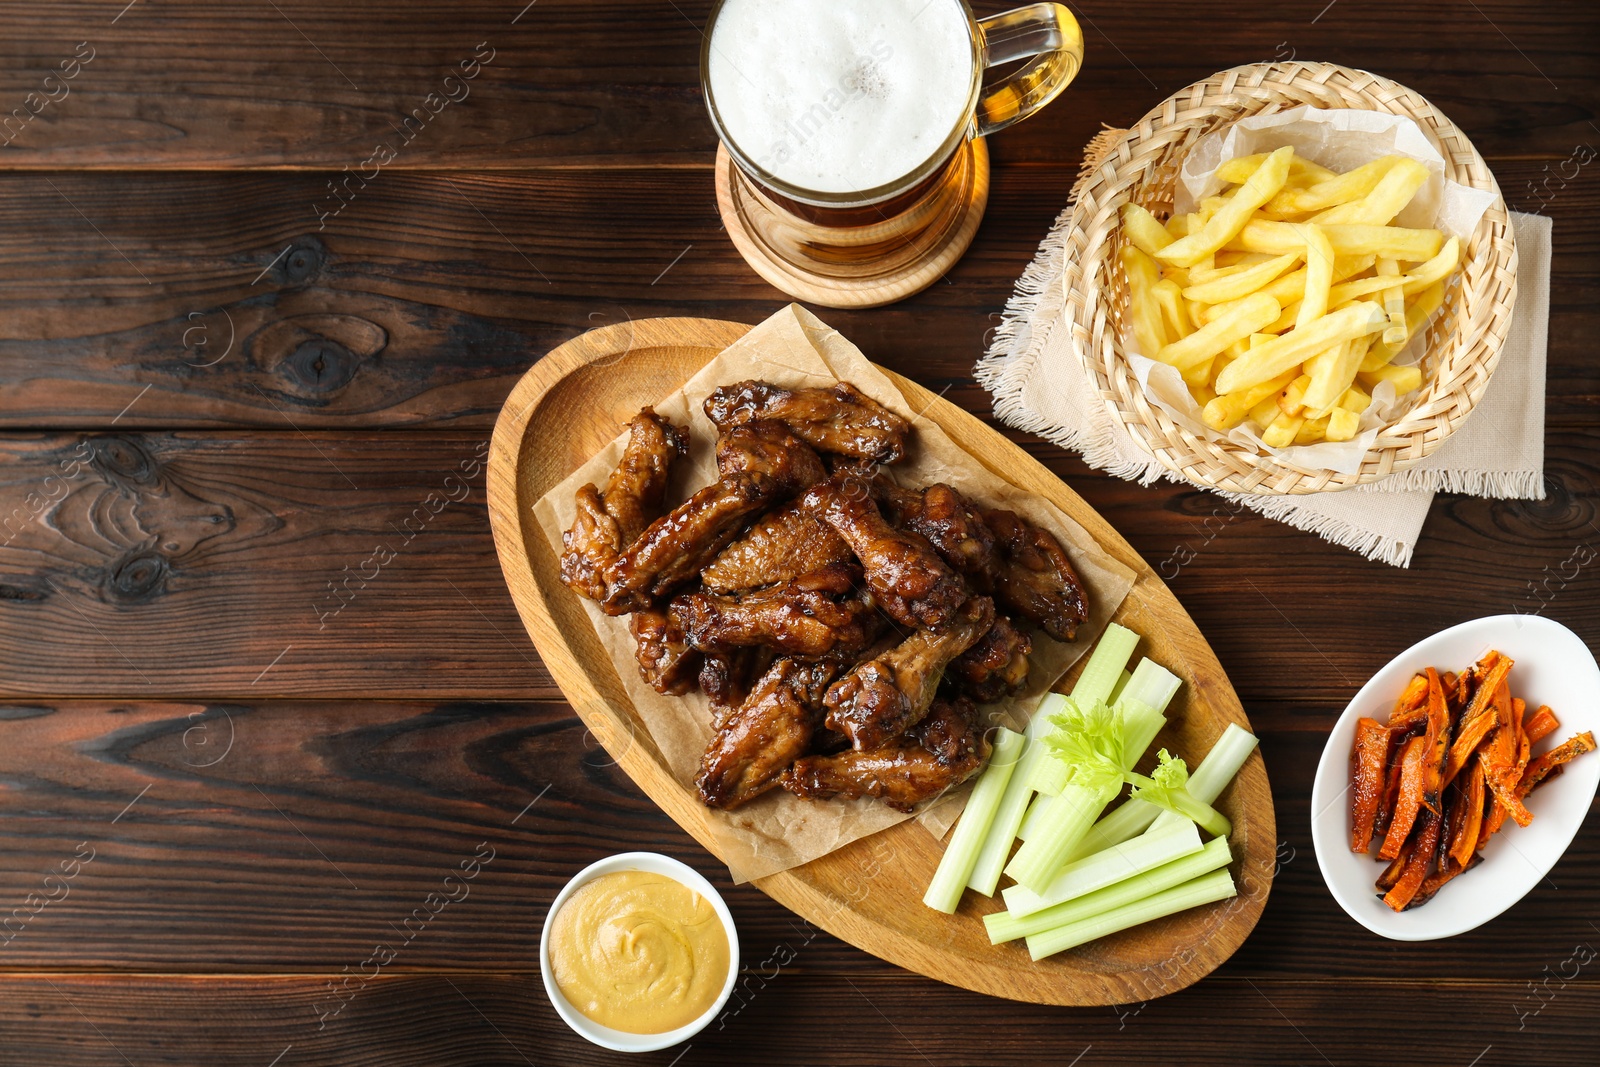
[(295, 833), (792, 1017), (252, 565), (301, 83), (197, 300)]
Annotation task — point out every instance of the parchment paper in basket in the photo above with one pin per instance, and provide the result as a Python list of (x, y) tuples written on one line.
[(794, 349), (1340, 139)]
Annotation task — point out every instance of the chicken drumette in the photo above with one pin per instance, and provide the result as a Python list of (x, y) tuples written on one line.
[(839, 419), (806, 616), (910, 582), (610, 520), (1034, 578), (996, 666), (772, 728), (943, 750), (883, 696), (666, 660)]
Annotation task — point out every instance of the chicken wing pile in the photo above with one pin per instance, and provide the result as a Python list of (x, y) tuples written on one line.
[(843, 626)]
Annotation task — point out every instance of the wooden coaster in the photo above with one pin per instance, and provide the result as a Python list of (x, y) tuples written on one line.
[(857, 266)]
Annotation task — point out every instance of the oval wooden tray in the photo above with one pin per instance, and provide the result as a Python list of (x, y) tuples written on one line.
[(572, 403)]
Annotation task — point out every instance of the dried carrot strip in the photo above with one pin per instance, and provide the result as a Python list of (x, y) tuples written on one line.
[(1446, 870), (1464, 840), (1369, 759), (1499, 757), (1542, 765), (1412, 707), (1409, 800), (1466, 742), (1541, 724), (1416, 871), (1436, 744)]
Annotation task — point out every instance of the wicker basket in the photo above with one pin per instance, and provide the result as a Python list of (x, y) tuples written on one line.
[(1463, 343)]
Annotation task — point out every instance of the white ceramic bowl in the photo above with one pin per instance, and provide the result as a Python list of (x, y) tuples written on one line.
[(622, 1040), (1554, 667)]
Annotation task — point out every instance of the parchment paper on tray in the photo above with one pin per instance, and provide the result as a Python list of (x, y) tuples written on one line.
[(795, 349), (1340, 139)]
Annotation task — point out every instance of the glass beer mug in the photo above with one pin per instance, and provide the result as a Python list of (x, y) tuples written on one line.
[(852, 170)]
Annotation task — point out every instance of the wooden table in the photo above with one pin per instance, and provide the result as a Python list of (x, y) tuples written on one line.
[(232, 372)]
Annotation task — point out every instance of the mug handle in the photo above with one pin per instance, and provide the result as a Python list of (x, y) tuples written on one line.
[(1045, 31)]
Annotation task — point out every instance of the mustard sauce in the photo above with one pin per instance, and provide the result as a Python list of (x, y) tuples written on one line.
[(639, 952)]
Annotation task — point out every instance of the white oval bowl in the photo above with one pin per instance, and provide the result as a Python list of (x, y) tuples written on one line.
[(622, 1040), (1552, 666)]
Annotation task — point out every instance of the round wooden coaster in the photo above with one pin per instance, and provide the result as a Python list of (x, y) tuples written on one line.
[(858, 266)]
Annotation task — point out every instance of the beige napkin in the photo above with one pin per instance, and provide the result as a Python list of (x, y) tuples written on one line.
[(1039, 385)]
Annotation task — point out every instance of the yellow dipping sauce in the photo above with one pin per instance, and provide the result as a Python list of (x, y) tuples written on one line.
[(639, 952)]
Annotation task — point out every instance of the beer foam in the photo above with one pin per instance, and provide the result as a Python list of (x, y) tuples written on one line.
[(840, 96)]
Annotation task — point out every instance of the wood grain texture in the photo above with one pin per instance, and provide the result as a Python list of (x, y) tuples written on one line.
[(423, 301), (793, 1017), (200, 143), (252, 564), (230, 861), (298, 83), (573, 401)]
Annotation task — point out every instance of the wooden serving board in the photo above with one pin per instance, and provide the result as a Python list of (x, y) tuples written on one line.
[(573, 402)]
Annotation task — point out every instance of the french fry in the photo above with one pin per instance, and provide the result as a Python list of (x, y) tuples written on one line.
[(1292, 402), (1281, 353), (1170, 297), (1379, 207), (1340, 189), (1261, 186), (1434, 270), (1265, 412), (1289, 288), (1237, 170), (1319, 277), (1247, 317), (1404, 379), (1355, 401), (1397, 242), (1144, 229), (1312, 431), (1394, 303), (1178, 226), (1202, 394), (1238, 285), (1281, 433), (1418, 312), (1334, 376), (1143, 308), (1225, 412), (1343, 425)]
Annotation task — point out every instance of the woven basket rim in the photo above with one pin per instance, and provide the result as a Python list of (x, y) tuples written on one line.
[(1465, 340)]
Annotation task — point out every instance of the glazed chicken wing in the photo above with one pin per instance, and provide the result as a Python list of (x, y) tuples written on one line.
[(952, 526), (907, 578), (764, 735), (666, 660), (611, 519), (781, 545), (996, 666), (838, 419), (807, 616), (881, 697), (727, 677), (772, 449), (672, 549), (942, 751), (1034, 578)]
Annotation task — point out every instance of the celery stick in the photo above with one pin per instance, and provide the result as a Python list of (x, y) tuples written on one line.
[(1035, 816), (1105, 665), (1067, 820), (1218, 885), (1008, 816), (1003, 926), (1151, 684), (1222, 763), (1206, 783), (1167, 787), (1116, 690), (1118, 863), (955, 866)]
